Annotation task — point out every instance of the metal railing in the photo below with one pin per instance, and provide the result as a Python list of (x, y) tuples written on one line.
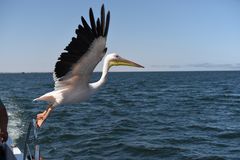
[(31, 141)]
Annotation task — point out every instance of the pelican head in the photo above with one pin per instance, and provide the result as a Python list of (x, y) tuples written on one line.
[(116, 60)]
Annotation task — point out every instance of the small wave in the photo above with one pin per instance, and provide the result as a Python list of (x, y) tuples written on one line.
[(210, 158), (229, 135), (186, 140), (151, 151), (205, 128)]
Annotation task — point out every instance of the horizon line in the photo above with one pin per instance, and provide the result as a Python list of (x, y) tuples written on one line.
[(131, 71)]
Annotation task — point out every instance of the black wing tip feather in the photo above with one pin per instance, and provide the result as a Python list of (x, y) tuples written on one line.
[(102, 20), (85, 36), (92, 21), (107, 24), (103, 11), (98, 27)]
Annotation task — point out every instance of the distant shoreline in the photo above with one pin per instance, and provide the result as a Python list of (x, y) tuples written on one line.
[(125, 71)]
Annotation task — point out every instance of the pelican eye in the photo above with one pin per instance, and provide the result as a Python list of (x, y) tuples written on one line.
[(105, 50)]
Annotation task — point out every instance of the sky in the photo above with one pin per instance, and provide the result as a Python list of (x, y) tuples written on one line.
[(162, 35)]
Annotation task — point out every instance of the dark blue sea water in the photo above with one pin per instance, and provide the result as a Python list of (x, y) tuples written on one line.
[(136, 116)]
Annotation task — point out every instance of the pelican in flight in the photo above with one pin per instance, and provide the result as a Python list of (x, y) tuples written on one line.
[(75, 65)]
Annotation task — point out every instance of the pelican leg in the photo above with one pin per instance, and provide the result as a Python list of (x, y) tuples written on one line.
[(41, 117)]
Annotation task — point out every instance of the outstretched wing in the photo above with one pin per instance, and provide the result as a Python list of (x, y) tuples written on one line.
[(84, 52)]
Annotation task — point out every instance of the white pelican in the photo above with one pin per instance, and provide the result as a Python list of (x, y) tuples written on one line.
[(75, 66)]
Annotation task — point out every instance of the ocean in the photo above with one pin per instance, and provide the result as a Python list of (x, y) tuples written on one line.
[(135, 116)]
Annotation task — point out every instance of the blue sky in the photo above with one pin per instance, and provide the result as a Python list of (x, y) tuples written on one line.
[(162, 35)]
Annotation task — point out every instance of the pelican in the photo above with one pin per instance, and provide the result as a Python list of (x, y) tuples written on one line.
[(75, 65)]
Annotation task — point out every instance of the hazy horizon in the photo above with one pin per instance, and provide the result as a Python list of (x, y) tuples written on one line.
[(132, 71)]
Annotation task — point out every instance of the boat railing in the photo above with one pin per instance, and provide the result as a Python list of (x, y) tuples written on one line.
[(31, 141)]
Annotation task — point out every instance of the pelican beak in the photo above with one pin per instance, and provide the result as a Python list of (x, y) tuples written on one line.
[(124, 62)]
